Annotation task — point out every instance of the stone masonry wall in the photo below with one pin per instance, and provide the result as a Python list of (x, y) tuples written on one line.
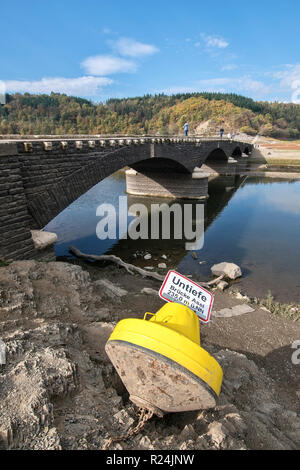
[(15, 236)]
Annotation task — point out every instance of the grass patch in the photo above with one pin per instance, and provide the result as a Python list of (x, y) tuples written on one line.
[(4, 262), (282, 161), (291, 311), (284, 142)]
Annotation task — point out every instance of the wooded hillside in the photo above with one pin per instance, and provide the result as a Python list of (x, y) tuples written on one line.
[(205, 113)]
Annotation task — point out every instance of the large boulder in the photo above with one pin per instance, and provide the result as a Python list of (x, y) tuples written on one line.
[(43, 239), (230, 270)]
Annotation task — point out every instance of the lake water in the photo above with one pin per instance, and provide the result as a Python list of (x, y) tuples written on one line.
[(253, 222)]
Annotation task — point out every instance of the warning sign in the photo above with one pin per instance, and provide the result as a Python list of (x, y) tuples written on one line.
[(180, 289)]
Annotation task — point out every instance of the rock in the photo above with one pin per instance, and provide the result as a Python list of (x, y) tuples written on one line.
[(217, 433), (32, 381), (164, 257), (236, 421), (149, 291), (230, 270), (222, 285), (269, 408), (187, 433), (97, 334), (110, 289), (117, 446), (148, 256), (102, 314), (150, 268), (240, 296), (2, 352), (234, 311), (42, 240), (162, 265), (188, 445), (262, 307), (145, 443), (124, 419)]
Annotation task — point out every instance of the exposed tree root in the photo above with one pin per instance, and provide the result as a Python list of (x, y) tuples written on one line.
[(130, 268)]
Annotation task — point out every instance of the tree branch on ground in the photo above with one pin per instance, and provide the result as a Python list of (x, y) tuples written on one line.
[(130, 268)]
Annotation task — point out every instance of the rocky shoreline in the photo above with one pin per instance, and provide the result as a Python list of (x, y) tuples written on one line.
[(60, 391)]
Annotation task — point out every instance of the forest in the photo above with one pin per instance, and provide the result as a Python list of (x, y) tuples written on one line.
[(28, 114)]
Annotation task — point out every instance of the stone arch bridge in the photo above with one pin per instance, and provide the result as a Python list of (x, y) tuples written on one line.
[(40, 178)]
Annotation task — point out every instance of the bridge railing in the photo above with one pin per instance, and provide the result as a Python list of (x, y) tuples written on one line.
[(147, 137)]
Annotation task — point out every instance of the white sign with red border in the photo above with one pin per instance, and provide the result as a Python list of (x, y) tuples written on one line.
[(180, 289)]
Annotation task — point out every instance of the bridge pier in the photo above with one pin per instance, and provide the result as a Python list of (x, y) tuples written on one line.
[(170, 185)]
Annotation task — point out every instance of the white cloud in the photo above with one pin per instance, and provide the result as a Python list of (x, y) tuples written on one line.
[(243, 84), (81, 86), (289, 75), (215, 41), (107, 64), (131, 48), (290, 81), (287, 201), (2, 92), (229, 67), (173, 90), (246, 83)]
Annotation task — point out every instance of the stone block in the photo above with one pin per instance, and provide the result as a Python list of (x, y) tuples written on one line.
[(42, 239), (230, 270)]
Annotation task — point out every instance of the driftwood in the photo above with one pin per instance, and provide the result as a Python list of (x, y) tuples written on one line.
[(214, 281), (131, 268)]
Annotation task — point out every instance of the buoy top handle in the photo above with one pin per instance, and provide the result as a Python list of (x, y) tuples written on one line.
[(178, 317)]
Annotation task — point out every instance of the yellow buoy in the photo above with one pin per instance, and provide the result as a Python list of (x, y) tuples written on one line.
[(161, 363)]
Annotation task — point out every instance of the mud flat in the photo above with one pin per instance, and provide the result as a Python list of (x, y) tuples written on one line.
[(277, 153), (59, 390)]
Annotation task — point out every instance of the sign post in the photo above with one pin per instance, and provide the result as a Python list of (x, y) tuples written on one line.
[(180, 289)]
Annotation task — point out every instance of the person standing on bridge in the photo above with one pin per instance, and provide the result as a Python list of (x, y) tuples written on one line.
[(186, 129), (221, 133)]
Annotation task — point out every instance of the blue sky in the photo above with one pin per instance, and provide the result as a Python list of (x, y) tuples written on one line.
[(101, 49)]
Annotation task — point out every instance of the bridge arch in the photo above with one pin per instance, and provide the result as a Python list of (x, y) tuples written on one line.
[(43, 207), (216, 155), (237, 152), (160, 165)]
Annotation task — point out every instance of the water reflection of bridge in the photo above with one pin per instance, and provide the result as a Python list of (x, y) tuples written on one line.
[(221, 189)]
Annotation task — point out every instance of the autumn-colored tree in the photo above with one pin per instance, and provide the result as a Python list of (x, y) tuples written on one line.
[(158, 114)]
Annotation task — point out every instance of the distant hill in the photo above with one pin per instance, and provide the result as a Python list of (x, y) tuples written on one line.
[(158, 114)]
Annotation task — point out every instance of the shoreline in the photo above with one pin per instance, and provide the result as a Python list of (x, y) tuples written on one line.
[(233, 291), (55, 350)]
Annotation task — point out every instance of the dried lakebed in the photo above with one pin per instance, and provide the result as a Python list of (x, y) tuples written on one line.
[(59, 390)]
